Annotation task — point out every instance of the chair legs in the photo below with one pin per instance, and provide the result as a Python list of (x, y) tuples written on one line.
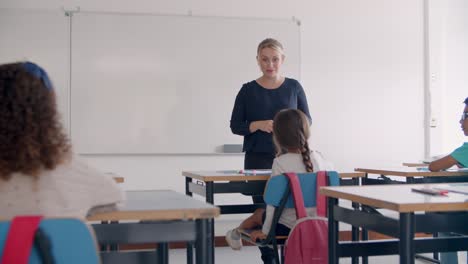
[(269, 254), (282, 253)]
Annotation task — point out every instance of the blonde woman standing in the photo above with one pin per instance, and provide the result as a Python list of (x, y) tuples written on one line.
[(259, 100), (257, 103)]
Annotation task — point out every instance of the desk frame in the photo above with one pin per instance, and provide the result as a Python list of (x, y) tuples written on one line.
[(208, 186), (412, 176), (160, 232), (403, 229), (153, 221)]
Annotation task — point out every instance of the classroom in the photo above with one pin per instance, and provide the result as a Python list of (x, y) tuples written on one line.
[(145, 89)]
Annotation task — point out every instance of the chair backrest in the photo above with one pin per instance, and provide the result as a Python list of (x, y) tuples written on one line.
[(71, 241), (278, 185)]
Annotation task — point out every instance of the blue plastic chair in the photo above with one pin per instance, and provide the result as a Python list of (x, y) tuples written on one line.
[(278, 194), (69, 241)]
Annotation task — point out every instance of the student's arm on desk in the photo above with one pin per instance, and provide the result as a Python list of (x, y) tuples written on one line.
[(443, 163)]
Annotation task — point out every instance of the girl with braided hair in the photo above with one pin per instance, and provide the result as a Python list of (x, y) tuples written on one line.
[(290, 135)]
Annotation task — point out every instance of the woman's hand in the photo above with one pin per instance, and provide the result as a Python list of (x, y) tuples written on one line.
[(257, 234), (263, 125)]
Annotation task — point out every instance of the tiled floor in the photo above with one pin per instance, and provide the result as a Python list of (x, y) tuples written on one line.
[(251, 255)]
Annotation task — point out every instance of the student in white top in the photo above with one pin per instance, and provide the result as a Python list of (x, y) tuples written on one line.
[(38, 173), (290, 134)]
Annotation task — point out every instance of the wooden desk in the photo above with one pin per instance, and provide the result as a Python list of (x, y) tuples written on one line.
[(160, 216), (412, 175), (401, 199), (209, 183)]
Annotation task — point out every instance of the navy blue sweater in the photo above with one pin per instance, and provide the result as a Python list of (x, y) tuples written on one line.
[(254, 103)]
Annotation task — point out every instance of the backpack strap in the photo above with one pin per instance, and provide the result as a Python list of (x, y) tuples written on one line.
[(297, 195), (19, 239), (321, 199)]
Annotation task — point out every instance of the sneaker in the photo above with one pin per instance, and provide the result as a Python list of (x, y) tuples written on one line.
[(233, 238)]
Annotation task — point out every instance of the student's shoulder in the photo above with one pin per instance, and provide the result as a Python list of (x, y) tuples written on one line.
[(463, 149), (288, 157), (76, 169), (319, 162), (461, 155), (289, 162)]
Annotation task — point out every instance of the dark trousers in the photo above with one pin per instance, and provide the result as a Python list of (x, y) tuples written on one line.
[(261, 161)]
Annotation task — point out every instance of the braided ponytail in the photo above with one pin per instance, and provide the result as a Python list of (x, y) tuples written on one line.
[(305, 152)]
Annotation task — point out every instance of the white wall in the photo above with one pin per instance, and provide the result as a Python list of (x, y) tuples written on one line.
[(450, 81), (362, 68)]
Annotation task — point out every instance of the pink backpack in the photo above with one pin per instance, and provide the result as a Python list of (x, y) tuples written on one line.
[(307, 242)]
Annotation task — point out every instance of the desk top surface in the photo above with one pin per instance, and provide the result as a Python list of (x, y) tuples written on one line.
[(399, 197), (410, 172), (232, 175), (415, 164), (159, 205)]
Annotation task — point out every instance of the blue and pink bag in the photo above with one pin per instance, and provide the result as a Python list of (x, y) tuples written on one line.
[(307, 242)]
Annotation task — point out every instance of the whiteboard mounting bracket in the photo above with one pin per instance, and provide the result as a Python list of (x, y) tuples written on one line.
[(70, 11)]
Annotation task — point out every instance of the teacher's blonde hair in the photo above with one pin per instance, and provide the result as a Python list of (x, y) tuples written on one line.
[(270, 43)]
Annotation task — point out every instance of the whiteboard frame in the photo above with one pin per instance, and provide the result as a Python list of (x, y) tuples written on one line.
[(218, 148)]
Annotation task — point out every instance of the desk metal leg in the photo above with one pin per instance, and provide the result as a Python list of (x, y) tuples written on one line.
[(355, 234), (163, 253), (104, 247), (365, 236), (189, 252), (355, 230), (332, 232), (203, 253), (210, 199), (406, 247), (188, 180)]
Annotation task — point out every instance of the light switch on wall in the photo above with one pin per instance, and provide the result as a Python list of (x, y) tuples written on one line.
[(433, 122)]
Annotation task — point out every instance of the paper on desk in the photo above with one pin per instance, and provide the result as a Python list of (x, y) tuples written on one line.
[(255, 172)]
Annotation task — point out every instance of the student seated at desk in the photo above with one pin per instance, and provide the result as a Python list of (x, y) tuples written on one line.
[(38, 173), (458, 157), (290, 134)]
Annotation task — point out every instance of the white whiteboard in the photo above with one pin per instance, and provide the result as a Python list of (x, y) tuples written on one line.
[(40, 36), (164, 84)]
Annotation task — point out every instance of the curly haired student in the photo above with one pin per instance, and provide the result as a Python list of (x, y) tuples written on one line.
[(38, 172)]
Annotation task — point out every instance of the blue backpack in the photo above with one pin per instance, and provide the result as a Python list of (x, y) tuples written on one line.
[(31, 240), (307, 242)]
